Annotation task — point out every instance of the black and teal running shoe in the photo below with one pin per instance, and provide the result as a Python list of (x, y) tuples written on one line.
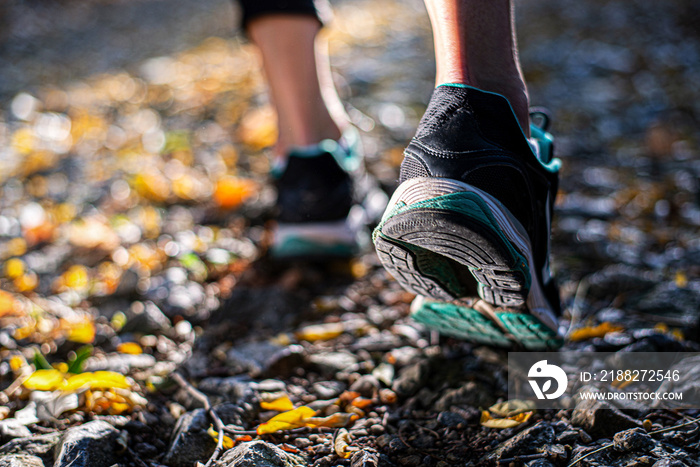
[(325, 200), (472, 216)]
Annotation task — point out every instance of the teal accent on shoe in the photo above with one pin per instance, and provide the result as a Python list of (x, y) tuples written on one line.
[(460, 321), (543, 138), (347, 152), (470, 205), (529, 332), (303, 248)]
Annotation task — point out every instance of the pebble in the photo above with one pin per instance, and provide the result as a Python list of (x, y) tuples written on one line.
[(328, 389), (366, 385), (450, 419), (601, 419), (635, 439), (93, 444), (259, 454)]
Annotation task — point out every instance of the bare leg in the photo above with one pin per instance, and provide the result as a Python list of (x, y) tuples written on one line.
[(298, 74), (475, 44)]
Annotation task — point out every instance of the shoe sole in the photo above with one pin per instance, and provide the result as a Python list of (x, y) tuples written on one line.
[(446, 240), (319, 240)]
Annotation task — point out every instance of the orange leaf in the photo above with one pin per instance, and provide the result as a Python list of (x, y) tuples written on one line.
[(8, 304), (337, 420), (320, 332), (231, 192), (590, 332), (287, 420), (131, 348), (361, 402)]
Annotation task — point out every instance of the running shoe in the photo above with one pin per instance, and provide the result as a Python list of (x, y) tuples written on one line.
[(325, 200), (472, 216)]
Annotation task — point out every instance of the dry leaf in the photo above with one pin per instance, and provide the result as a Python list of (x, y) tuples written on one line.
[(231, 192), (228, 443), (287, 420), (96, 380), (281, 404), (337, 420), (131, 348), (320, 332), (512, 407), (44, 380), (81, 331), (589, 332), (341, 444), (508, 422)]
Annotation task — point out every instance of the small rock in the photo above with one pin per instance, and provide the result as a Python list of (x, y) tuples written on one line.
[(254, 357), (303, 443), (601, 419), (234, 388), (271, 385), (667, 462), (448, 419), (568, 437), (540, 463), (376, 430), (120, 363), (471, 394), (331, 363), (411, 461), (328, 389), (672, 302), (20, 460), (145, 318), (412, 378), (40, 446), (528, 441), (384, 440), (635, 439), (90, 445), (259, 454), (191, 442), (366, 385), (365, 458), (10, 431), (403, 356)]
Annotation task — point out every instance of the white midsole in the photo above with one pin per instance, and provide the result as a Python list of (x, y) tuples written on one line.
[(424, 188)]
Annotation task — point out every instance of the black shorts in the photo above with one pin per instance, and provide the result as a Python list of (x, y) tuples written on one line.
[(251, 9)]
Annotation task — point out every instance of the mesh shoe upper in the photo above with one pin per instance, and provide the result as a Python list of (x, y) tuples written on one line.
[(313, 189)]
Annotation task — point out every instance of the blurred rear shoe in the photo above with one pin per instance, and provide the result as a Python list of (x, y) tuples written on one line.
[(325, 201)]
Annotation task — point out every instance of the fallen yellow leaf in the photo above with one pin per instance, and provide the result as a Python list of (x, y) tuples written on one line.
[(281, 404), (96, 380), (508, 422), (44, 380), (287, 420), (228, 443), (512, 407), (320, 332), (82, 331)]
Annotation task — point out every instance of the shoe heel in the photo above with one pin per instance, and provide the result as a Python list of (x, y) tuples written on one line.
[(450, 242)]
